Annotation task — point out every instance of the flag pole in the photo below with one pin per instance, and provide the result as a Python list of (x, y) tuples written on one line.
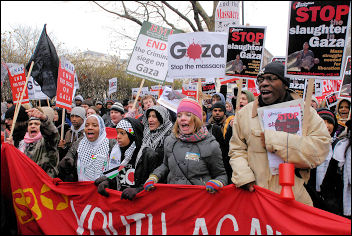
[(63, 123), (20, 100)]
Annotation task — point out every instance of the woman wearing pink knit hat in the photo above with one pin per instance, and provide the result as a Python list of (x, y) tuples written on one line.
[(192, 155)]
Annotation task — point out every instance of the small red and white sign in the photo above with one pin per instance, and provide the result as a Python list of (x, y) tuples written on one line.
[(17, 78), (65, 84)]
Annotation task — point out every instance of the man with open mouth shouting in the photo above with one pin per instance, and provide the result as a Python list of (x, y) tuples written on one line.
[(249, 144)]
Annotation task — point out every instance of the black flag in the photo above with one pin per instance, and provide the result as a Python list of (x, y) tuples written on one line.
[(46, 65)]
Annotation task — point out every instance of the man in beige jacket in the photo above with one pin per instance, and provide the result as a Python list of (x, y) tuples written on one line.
[(249, 144)]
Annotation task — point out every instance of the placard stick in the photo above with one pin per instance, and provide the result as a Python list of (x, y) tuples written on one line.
[(199, 90), (307, 104), (19, 102), (47, 100), (63, 124), (239, 86), (139, 91)]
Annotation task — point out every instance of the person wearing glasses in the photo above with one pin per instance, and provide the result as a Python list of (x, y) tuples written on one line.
[(249, 144)]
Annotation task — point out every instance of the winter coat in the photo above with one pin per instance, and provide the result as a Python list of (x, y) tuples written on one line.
[(180, 170), (249, 160), (44, 152), (68, 136)]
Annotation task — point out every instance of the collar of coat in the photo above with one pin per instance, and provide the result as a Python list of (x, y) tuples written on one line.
[(256, 103)]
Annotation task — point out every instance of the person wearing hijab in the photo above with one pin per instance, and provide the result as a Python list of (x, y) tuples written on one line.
[(124, 155), (150, 156), (343, 112), (89, 156), (192, 154)]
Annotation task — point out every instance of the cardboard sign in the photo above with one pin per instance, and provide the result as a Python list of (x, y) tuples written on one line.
[(35, 91), (65, 84), (345, 90), (17, 78), (170, 99), (317, 35), (298, 85), (227, 13), (331, 100), (144, 91), (197, 55), (149, 57), (245, 51), (112, 86), (208, 88)]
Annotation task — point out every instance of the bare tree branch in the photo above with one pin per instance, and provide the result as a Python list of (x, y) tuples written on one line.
[(209, 21), (126, 15), (180, 15), (196, 16)]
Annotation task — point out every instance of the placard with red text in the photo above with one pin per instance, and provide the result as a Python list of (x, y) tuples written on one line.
[(65, 84)]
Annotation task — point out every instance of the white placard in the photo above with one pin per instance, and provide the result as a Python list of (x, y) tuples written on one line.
[(197, 55), (112, 86), (35, 91), (227, 13)]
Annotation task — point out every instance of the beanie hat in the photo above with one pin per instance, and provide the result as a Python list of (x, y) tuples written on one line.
[(79, 111), (48, 111), (79, 97), (315, 100), (109, 101), (98, 102), (276, 68), (22, 114), (87, 102), (219, 105), (327, 114), (190, 105), (118, 107)]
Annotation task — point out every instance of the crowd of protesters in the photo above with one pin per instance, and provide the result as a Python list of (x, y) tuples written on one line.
[(210, 145)]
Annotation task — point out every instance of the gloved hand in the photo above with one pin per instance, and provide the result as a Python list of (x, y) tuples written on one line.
[(149, 184), (102, 182), (66, 165), (129, 193), (149, 153), (213, 186), (249, 187)]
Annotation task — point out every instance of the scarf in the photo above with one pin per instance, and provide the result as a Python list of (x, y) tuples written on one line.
[(27, 140), (93, 156), (195, 137), (75, 132), (154, 139)]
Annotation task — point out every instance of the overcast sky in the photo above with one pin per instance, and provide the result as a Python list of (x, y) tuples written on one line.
[(84, 26)]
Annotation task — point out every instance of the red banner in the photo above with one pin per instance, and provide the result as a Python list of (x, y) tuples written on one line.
[(46, 206), (65, 84)]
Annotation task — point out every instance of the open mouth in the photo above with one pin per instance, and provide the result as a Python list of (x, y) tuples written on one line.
[(265, 93), (90, 134), (33, 132)]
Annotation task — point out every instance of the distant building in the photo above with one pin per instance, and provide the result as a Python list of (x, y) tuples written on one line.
[(99, 58)]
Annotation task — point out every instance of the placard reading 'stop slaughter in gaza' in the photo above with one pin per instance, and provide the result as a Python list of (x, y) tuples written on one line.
[(317, 35)]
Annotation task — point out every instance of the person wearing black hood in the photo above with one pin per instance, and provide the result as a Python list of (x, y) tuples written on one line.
[(20, 126), (317, 174), (123, 156)]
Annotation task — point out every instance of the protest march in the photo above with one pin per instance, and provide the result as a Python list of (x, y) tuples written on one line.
[(218, 138)]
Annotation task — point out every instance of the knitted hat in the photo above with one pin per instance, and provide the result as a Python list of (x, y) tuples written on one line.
[(87, 102), (22, 114), (109, 101), (219, 105), (79, 111), (118, 107), (190, 105), (98, 102), (327, 114), (79, 97), (125, 125), (276, 68)]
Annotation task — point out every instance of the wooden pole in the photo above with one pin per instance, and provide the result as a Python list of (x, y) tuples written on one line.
[(239, 91), (63, 123), (199, 91), (139, 91), (307, 104), (19, 102), (47, 100)]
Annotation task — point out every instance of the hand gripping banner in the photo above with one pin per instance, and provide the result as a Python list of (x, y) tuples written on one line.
[(47, 206)]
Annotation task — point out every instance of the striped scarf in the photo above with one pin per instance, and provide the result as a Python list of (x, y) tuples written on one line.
[(195, 137)]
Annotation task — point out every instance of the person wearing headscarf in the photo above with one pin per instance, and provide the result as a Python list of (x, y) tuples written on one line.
[(336, 186), (89, 156), (124, 154), (41, 139), (343, 111), (150, 156), (20, 126), (192, 155)]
